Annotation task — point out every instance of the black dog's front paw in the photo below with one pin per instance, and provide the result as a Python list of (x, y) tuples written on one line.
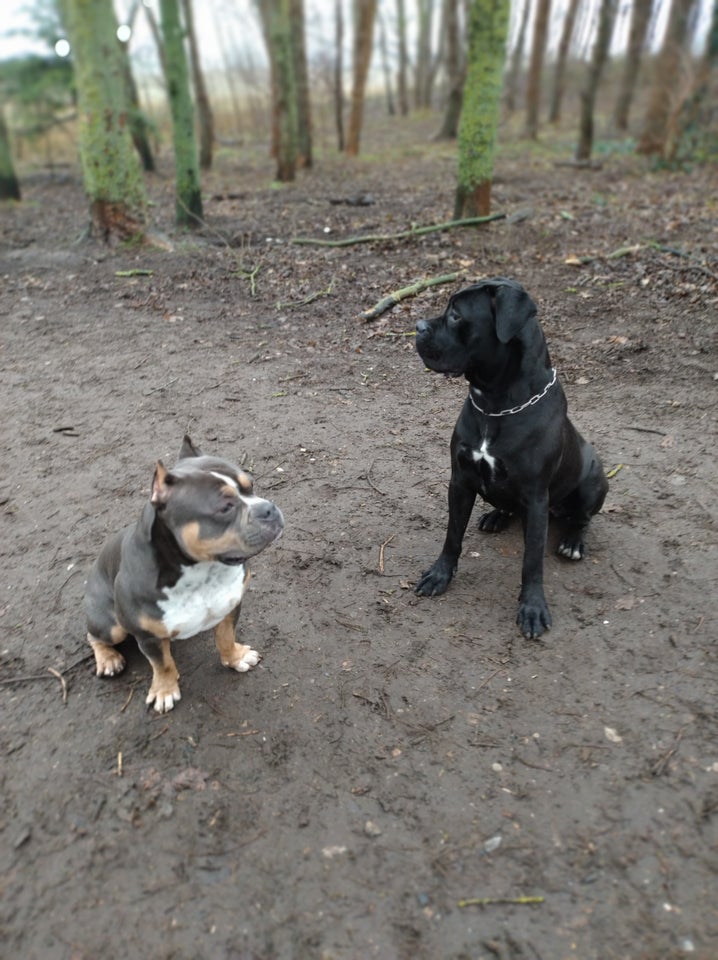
[(533, 617), (436, 579)]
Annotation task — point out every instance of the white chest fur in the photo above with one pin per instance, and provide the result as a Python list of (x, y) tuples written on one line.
[(483, 454), (204, 594)]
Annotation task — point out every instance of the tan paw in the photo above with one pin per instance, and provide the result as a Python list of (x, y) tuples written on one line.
[(164, 694), (109, 661), (241, 658)]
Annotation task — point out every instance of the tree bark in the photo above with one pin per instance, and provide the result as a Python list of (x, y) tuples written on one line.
[(338, 72), (637, 32), (285, 124), (455, 71), (533, 82), (204, 108), (364, 14), (662, 96), (301, 75), (9, 185), (403, 66), (188, 203), (110, 168), (569, 23), (488, 28), (385, 69), (606, 17), (516, 62)]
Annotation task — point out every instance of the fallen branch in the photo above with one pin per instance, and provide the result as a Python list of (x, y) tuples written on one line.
[(490, 901), (392, 299), (404, 235), (614, 255)]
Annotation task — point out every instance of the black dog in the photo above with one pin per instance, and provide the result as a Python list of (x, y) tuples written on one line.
[(513, 442)]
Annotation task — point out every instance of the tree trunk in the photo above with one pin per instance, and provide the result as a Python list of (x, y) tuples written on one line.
[(188, 204), (424, 69), (278, 34), (569, 23), (637, 32), (667, 78), (455, 71), (488, 28), (403, 66), (338, 72), (606, 17), (533, 82), (364, 13), (110, 169), (516, 63), (9, 186), (385, 69), (301, 75), (201, 97)]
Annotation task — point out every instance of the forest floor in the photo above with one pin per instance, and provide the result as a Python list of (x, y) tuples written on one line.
[(391, 757)]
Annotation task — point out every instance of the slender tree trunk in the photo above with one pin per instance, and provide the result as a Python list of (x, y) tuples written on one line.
[(278, 33), (488, 22), (338, 73), (188, 193), (606, 17), (455, 71), (637, 32), (364, 14), (9, 185), (139, 127), (204, 109), (533, 83), (301, 75), (569, 23), (516, 63), (422, 72), (386, 70), (110, 169), (403, 66), (661, 100)]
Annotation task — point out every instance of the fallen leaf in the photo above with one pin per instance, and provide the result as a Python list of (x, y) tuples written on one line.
[(612, 735)]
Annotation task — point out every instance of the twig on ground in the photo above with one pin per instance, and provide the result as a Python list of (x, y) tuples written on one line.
[(404, 235), (56, 673), (490, 901), (381, 552), (392, 299)]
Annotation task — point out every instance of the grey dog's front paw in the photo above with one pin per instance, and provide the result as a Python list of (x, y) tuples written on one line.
[(436, 579)]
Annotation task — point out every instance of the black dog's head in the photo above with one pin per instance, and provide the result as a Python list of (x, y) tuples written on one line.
[(480, 330)]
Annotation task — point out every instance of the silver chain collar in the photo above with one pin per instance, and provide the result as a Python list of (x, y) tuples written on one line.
[(529, 403)]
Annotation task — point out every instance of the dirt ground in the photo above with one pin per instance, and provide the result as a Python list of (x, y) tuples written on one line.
[(391, 757)]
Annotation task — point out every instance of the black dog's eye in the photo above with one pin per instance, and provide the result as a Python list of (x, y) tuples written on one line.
[(453, 318)]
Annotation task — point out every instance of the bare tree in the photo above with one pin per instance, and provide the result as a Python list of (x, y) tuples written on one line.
[(661, 99), (455, 63), (533, 82), (338, 72), (606, 17), (301, 75), (9, 185), (277, 24), (403, 65), (204, 109), (385, 68), (516, 61), (569, 23), (637, 32), (364, 14), (423, 67)]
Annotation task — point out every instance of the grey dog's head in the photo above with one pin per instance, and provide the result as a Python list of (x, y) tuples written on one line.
[(478, 332)]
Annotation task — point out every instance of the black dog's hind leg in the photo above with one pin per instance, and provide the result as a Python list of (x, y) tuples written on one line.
[(494, 521), (437, 578), (578, 508), (533, 616)]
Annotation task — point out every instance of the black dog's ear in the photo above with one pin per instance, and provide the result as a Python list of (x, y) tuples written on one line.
[(188, 449), (514, 309)]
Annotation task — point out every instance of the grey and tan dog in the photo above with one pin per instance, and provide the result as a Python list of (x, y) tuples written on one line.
[(513, 442), (181, 569)]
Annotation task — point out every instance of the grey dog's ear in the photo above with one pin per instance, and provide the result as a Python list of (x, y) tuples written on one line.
[(514, 309), (188, 449)]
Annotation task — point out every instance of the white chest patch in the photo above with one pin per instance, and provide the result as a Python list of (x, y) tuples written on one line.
[(483, 454), (201, 598)]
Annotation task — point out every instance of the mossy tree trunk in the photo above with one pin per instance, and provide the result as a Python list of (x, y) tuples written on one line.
[(9, 185), (277, 26), (110, 168), (488, 28), (188, 193)]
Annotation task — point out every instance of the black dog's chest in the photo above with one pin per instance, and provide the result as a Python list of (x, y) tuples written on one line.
[(484, 463)]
